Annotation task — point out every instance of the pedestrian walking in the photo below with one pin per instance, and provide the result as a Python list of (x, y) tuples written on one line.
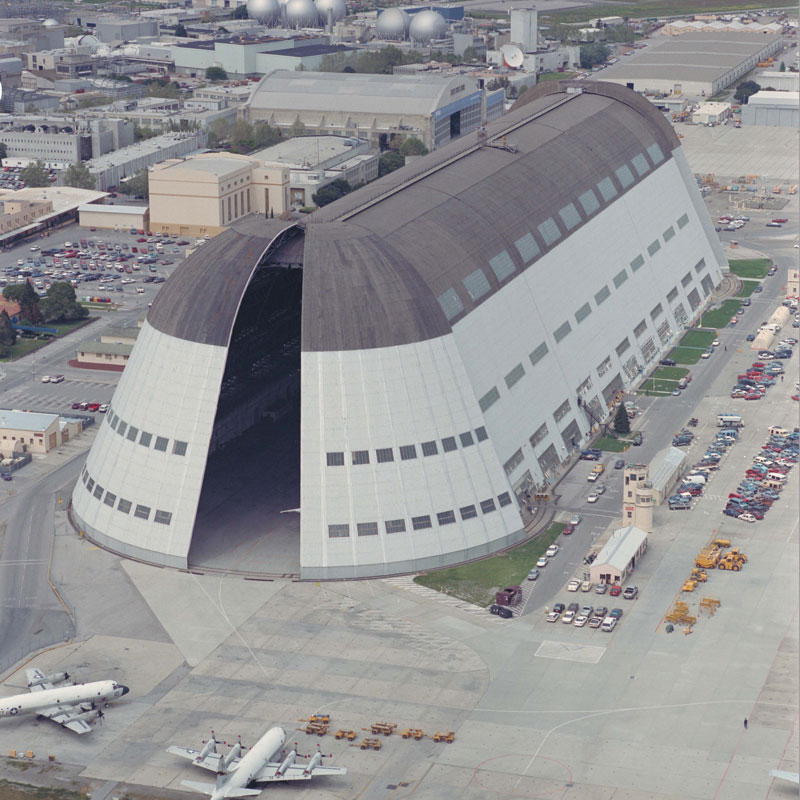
[(781, 378), (745, 723), (726, 348)]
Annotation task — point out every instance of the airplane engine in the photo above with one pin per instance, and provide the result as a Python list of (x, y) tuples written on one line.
[(209, 747), (232, 754), (287, 762), (87, 716), (314, 763), (56, 677)]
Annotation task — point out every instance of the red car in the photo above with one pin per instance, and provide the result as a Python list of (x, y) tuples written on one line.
[(141, 239), (780, 219), (93, 406), (734, 320), (568, 529), (615, 591), (134, 249)]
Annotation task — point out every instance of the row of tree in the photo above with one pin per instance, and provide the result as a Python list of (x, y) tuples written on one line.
[(77, 175), (244, 137), (60, 304)]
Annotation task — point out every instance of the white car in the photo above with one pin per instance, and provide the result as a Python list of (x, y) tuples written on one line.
[(552, 550), (553, 616), (45, 379), (573, 586), (103, 408), (705, 355), (568, 618), (580, 621), (586, 586), (575, 519), (56, 378), (601, 489), (715, 343), (592, 498), (609, 623), (34, 248), (542, 562), (746, 517)]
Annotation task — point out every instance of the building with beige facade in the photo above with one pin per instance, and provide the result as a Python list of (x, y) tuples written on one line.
[(204, 194), (108, 217), (617, 560), (637, 497), (28, 432), (18, 213)]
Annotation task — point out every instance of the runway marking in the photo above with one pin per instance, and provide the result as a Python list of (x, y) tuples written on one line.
[(565, 651)]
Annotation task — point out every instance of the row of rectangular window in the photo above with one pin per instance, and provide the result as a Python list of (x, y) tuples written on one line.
[(502, 265), (123, 505), (420, 523), (131, 433), (408, 452)]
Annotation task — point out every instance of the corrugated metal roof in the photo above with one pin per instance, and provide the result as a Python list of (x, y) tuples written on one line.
[(662, 467), (101, 348), (26, 420), (621, 547)]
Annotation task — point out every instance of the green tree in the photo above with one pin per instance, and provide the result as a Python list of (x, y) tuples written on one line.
[(216, 74), (140, 133), (297, 129), (470, 54), (241, 137), (218, 131), (332, 191), (621, 422), (25, 295), (137, 185), (60, 305), (240, 12), (164, 88), (3, 152), (389, 162), (180, 30), (522, 89), (744, 90), (78, 175), (782, 67), (7, 333), (35, 174), (264, 135), (593, 54), (413, 147)]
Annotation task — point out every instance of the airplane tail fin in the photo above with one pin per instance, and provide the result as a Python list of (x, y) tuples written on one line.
[(201, 788)]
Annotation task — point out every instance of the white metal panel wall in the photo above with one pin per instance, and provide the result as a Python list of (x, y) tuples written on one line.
[(169, 388), (503, 331), (388, 398)]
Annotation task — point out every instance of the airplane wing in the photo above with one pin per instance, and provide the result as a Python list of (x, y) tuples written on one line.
[(297, 772), (37, 675), (210, 762), (65, 716), (792, 777)]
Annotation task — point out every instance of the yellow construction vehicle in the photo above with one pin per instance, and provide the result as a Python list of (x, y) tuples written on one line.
[(739, 555), (710, 604), (699, 575), (344, 734), (315, 728), (323, 719), (721, 543), (386, 728), (689, 586), (413, 733), (374, 744), (444, 736), (708, 558)]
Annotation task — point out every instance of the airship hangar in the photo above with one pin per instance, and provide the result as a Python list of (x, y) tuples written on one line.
[(372, 389)]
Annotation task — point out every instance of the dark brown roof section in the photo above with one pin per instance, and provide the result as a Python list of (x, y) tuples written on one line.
[(200, 300), (463, 221)]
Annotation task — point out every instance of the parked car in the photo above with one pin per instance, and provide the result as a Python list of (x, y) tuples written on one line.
[(568, 618), (573, 586), (619, 464), (630, 593), (586, 586), (552, 550), (615, 591), (568, 529), (667, 362), (608, 624), (575, 519), (601, 588), (501, 611), (542, 562), (616, 613)]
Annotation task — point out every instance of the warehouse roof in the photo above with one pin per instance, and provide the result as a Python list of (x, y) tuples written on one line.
[(284, 89), (304, 51), (109, 209), (403, 258), (771, 98), (693, 56), (663, 466), (621, 547), (219, 165), (101, 348), (308, 150), (26, 420)]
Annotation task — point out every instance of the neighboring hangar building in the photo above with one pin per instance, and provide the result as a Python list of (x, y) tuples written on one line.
[(447, 335)]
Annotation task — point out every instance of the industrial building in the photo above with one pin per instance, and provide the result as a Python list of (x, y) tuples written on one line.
[(112, 217), (204, 194), (34, 432), (699, 64), (617, 560), (436, 344), (775, 109), (432, 108)]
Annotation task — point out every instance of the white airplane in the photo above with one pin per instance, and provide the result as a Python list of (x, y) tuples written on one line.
[(71, 705), (791, 777), (236, 771)]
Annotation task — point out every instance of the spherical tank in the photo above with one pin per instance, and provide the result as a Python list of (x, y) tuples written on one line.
[(393, 24), (301, 13), (337, 8), (264, 11), (427, 25)]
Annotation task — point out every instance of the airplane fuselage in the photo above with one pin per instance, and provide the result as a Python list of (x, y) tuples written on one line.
[(255, 758), (68, 695)]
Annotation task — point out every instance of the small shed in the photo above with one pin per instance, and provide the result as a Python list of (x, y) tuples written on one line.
[(111, 217), (618, 558), (665, 471)]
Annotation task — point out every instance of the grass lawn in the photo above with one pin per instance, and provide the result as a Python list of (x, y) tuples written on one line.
[(750, 267), (64, 328), (477, 582), (747, 288), (609, 445), (686, 355), (699, 338), (671, 373), (24, 346), (555, 76), (720, 317), (100, 306)]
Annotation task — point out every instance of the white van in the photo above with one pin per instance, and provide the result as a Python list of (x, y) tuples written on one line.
[(701, 479), (729, 421), (778, 477), (609, 623), (776, 430)]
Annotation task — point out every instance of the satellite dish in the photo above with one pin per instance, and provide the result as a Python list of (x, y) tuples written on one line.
[(512, 56)]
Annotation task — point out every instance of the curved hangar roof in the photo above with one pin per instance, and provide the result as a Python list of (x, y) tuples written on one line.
[(404, 258)]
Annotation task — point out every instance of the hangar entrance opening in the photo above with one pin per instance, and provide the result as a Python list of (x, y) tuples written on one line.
[(253, 468)]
